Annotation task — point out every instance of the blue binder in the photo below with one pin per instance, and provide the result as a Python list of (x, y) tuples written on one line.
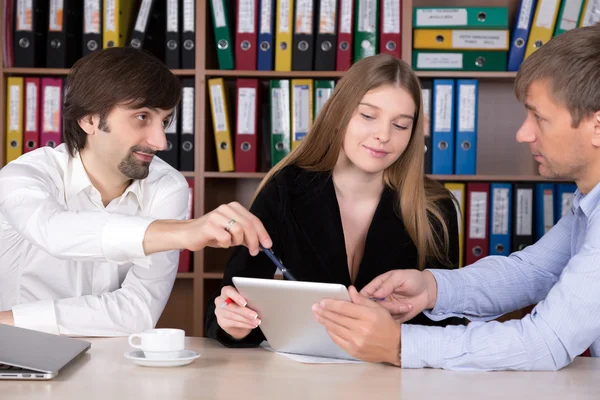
[(520, 34), (500, 218), (442, 127), (564, 199), (544, 209), (264, 61), (467, 99)]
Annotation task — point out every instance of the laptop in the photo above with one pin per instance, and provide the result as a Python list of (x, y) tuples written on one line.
[(29, 354), (285, 310)]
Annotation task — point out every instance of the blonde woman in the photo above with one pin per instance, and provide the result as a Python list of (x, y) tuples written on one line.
[(351, 202)]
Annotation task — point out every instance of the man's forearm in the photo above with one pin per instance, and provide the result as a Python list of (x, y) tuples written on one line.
[(6, 318), (165, 235)]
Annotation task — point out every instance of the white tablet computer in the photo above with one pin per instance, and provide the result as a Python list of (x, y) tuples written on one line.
[(285, 310)]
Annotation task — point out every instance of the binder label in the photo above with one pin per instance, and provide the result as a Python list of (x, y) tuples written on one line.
[(187, 109), (426, 95), (566, 203), (546, 12), (440, 60), (500, 212), (280, 111), (345, 16), (14, 122), (327, 17), (91, 16), (592, 13), (570, 16), (367, 18), (25, 15), (524, 212), (478, 215), (323, 95), (443, 108), (525, 15), (493, 40), (391, 16), (109, 14), (284, 16), (246, 16), (442, 16), (55, 23), (301, 111), (189, 15), (304, 16), (466, 108), (142, 17), (172, 128), (548, 210), (246, 111), (218, 13), (31, 93), (172, 16), (51, 108), (265, 16)]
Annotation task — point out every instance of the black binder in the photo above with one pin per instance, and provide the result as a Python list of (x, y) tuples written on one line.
[(171, 154), (64, 46), (92, 35), (325, 48), (172, 43), (188, 35), (29, 44), (187, 138), (303, 50), (523, 213)]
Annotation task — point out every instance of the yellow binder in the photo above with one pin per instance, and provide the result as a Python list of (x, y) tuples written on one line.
[(302, 109), (459, 39), (14, 118), (220, 117), (458, 190), (116, 22), (542, 29), (284, 29)]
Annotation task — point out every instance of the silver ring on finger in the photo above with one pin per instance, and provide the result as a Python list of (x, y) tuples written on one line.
[(229, 225)]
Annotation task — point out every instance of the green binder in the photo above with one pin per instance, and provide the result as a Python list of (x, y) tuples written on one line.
[(434, 60), (222, 32), (323, 91), (279, 98), (366, 28), (460, 17), (568, 16)]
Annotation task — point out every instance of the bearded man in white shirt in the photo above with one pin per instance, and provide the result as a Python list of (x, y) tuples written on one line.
[(90, 230)]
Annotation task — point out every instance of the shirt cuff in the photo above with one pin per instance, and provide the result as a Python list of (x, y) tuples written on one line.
[(39, 316), (422, 346), (450, 295), (123, 239)]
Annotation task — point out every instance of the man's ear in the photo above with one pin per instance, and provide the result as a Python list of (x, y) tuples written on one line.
[(87, 124), (596, 129)]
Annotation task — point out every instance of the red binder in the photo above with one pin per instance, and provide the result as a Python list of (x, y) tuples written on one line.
[(51, 117), (390, 39), (478, 204), (31, 134), (246, 125), (185, 256), (344, 37), (246, 35)]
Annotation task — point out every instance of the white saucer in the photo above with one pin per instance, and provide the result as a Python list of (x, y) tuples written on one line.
[(185, 358)]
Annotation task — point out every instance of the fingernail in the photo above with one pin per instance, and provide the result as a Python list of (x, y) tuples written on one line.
[(252, 315), (268, 243), (315, 307), (322, 303), (258, 322), (409, 307)]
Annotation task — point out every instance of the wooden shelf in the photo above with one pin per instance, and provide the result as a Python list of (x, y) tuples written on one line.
[(185, 275), (65, 71), (272, 74), (188, 174), (235, 175), (213, 275)]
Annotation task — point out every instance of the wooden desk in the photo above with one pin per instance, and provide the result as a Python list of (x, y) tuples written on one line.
[(239, 374)]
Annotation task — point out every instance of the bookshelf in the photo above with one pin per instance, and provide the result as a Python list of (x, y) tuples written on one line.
[(500, 157)]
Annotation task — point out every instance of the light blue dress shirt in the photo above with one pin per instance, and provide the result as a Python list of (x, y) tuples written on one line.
[(560, 273)]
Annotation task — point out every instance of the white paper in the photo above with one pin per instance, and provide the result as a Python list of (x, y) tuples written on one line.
[(592, 13), (14, 121), (467, 108), (524, 212), (367, 17), (478, 215), (304, 16), (391, 16), (459, 195), (327, 16), (500, 213), (477, 39), (31, 104), (440, 61), (311, 359), (443, 108), (280, 111), (570, 17), (189, 15), (109, 15), (57, 15), (525, 15), (284, 16), (546, 11), (426, 95), (187, 110), (142, 17), (51, 108), (219, 13), (91, 16), (172, 16), (246, 17), (442, 17), (265, 17), (548, 210), (345, 16), (246, 111), (301, 111), (323, 95), (24, 15), (566, 203)]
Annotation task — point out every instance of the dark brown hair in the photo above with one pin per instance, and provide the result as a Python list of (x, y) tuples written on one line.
[(570, 63), (118, 76), (417, 195)]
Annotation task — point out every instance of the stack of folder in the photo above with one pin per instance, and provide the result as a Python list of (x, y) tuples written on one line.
[(460, 38)]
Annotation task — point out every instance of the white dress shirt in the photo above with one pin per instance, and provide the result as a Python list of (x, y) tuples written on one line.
[(69, 265)]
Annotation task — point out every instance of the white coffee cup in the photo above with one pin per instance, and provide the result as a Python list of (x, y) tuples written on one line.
[(160, 343)]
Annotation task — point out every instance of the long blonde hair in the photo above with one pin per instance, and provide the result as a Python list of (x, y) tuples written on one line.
[(417, 195)]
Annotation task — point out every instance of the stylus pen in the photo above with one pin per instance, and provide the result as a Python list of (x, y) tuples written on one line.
[(278, 263)]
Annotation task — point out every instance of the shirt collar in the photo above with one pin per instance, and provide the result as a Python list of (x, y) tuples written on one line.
[(587, 202)]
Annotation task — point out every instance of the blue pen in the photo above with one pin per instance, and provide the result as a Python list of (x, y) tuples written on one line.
[(278, 263)]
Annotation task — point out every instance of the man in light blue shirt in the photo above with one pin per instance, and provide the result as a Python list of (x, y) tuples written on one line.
[(559, 86)]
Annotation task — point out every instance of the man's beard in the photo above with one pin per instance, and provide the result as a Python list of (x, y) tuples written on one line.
[(133, 168)]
